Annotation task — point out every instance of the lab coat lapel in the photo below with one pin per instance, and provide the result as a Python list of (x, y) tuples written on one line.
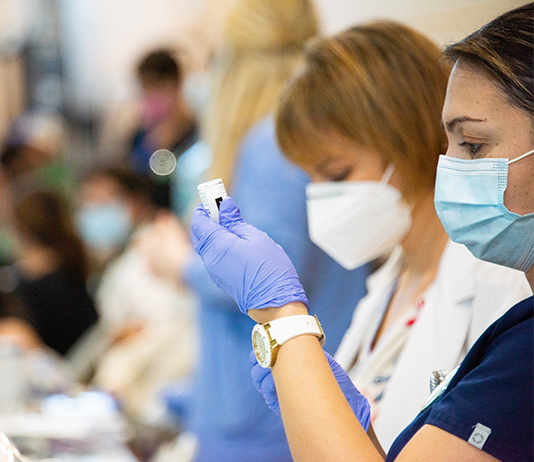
[(436, 342), (379, 287)]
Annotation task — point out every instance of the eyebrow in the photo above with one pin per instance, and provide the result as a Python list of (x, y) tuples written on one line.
[(452, 123)]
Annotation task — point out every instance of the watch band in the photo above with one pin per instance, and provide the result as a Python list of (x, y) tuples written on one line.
[(283, 329)]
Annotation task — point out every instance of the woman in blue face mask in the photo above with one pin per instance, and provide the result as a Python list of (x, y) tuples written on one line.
[(373, 196), (484, 411)]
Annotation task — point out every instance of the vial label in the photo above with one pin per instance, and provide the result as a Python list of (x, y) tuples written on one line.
[(212, 194)]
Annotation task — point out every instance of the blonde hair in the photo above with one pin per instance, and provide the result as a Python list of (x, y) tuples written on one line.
[(262, 46), (379, 85)]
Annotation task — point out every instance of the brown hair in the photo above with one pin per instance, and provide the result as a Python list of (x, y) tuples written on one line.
[(504, 50), (379, 85), (261, 47), (45, 218), (158, 67)]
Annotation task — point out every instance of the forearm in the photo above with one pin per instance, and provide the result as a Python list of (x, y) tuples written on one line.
[(320, 425)]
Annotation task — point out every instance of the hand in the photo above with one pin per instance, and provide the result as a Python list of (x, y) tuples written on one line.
[(243, 261), (264, 383)]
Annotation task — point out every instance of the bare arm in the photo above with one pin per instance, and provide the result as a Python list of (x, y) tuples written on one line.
[(320, 424)]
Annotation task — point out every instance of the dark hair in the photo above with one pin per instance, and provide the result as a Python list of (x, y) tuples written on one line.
[(9, 156), (130, 182), (504, 50), (17, 159), (159, 66), (46, 218)]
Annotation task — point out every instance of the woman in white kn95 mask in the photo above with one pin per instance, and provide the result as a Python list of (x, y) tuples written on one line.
[(364, 120)]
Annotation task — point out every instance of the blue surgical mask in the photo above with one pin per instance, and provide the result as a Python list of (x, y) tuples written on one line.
[(469, 201), (104, 226)]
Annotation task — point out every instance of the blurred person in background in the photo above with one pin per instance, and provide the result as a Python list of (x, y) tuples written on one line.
[(114, 203), (146, 336), (31, 156), (166, 121), (13, 318), (51, 267), (32, 152), (260, 48)]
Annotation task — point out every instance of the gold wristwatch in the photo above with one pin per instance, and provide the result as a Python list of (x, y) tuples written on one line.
[(267, 338)]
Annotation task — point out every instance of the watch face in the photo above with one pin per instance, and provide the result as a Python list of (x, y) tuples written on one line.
[(263, 355), (258, 345)]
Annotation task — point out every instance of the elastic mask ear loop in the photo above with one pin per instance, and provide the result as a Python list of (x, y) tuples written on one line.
[(387, 174), (521, 157)]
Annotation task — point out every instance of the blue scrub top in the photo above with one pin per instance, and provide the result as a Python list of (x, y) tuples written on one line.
[(494, 387)]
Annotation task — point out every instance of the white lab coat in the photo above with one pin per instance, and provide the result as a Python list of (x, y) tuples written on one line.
[(464, 299)]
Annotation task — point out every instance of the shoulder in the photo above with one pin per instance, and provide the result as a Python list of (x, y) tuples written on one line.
[(260, 134), (493, 388)]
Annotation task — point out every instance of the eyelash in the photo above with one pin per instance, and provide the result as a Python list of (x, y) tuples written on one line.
[(341, 176), (474, 148)]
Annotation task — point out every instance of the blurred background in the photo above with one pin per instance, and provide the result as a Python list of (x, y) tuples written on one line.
[(73, 61)]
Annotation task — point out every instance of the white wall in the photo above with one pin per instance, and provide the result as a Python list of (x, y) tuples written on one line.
[(105, 37), (443, 20)]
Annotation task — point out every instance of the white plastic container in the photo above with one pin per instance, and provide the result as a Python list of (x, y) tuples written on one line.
[(211, 194)]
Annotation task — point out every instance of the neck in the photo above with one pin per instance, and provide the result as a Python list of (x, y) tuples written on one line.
[(173, 128), (422, 249), (426, 240)]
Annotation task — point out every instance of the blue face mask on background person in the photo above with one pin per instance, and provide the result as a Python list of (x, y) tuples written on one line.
[(104, 226), (469, 200)]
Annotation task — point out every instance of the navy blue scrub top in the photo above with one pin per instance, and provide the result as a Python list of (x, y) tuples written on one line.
[(493, 389)]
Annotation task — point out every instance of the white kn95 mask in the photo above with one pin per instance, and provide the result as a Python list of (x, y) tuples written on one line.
[(355, 222)]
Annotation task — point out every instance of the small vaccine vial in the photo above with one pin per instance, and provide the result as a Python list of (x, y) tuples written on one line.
[(211, 194)]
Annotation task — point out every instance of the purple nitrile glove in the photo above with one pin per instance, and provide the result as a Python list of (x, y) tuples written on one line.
[(243, 261), (264, 383)]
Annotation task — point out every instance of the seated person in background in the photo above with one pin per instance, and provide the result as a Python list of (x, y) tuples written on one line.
[(51, 270), (146, 336), (31, 154), (114, 203)]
